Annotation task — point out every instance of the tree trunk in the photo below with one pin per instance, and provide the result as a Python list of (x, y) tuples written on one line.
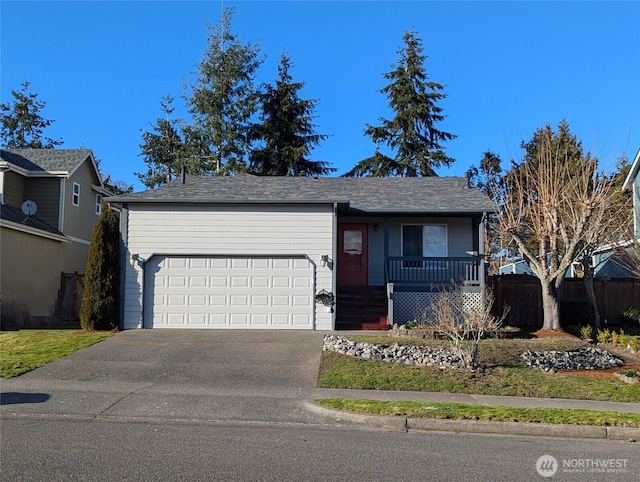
[(591, 295), (550, 306)]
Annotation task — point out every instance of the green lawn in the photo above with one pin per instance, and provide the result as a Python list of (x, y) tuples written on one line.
[(504, 374), (25, 350), (463, 411)]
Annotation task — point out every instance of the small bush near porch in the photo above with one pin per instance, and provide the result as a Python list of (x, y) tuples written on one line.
[(25, 350), (505, 373)]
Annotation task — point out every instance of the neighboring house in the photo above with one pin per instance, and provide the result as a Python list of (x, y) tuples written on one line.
[(50, 234), (516, 267), (632, 183), (294, 252), (605, 261)]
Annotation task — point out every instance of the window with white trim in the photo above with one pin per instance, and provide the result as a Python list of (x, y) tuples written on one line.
[(423, 240), (98, 204), (76, 194)]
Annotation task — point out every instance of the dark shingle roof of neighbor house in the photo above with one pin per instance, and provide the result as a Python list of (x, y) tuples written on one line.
[(366, 194), (45, 160), (15, 215)]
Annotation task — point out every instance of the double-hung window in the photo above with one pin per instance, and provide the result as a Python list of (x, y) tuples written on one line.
[(98, 204), (76, 194), (423, 240)]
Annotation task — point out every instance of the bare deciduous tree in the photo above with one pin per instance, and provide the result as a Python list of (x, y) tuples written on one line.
[(550, 206)]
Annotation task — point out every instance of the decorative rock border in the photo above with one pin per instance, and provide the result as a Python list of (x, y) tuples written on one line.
[(393, 353), (580, 359)]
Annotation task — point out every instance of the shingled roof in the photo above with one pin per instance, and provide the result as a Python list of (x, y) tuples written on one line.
[(46, 160), (15, 215), (365, 194)]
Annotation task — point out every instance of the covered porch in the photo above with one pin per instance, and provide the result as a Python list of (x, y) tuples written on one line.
[(381, 280)]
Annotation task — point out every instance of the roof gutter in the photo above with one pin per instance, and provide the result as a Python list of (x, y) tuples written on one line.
[(137, 200)]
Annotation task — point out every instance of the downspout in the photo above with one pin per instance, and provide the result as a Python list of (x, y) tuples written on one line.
[(141, 262), (124, 224), (334, 248)]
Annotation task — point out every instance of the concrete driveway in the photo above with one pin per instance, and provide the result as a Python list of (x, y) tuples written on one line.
[(214, 358)]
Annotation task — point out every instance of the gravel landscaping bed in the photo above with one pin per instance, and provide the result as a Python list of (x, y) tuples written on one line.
[(588, 358)]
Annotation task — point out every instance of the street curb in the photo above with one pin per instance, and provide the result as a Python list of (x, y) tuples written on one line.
[(623, 433), (508, 428), (388, 423), (402, 424)]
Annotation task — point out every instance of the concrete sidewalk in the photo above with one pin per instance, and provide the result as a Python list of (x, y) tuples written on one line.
[(242, 377), (196, 403)]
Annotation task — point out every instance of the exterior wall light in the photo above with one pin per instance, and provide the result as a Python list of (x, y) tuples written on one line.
[(324, 259), (135, 259)]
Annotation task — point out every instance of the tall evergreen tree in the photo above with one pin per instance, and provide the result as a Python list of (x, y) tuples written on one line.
[(22, 126), (488, 177), (412, 133), (224, 99), (164, 150), (287, 131), (101, 297)]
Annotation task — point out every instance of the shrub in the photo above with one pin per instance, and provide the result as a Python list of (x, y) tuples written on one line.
[(465, 325), (629, 373), (101, 298), (630, 316), (624, 339), (615, 337), (634, 344), (586, 333), (603, 336)]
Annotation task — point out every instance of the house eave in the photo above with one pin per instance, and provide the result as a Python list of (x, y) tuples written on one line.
[(419, 212), (8, 166), (633, 173), (137, 200), (34, 231)]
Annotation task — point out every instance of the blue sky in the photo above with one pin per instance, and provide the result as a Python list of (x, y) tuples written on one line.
[(508, 67)]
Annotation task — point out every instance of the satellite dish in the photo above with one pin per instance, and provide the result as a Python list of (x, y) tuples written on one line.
[(29, 208)]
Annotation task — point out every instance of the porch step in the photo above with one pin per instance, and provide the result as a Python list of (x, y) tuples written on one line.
[(362, 308)]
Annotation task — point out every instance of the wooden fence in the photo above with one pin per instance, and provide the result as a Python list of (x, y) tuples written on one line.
[(524, 295), (69, 298)]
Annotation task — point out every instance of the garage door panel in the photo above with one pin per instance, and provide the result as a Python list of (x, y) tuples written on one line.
[(198, 281), (239, 292), (218, 281), (197, 263)]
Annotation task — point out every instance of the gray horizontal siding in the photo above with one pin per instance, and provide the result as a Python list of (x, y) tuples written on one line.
[(238, 230)]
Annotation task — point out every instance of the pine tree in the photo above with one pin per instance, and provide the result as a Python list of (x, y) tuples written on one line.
[(22, 126), (101, 297), (488, 179), (164, 150), (412, 133), (224, 99), (287, 131)]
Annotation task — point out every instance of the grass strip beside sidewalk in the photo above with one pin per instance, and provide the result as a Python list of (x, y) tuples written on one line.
[(25, 350), (464, 411)]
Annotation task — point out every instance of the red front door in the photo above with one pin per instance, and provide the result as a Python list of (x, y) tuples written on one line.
[(352, 255)]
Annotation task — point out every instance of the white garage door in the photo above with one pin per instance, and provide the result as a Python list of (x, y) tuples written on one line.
[(238, 292)]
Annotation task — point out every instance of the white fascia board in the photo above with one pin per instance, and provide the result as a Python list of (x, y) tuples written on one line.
[(94, 164), (101, 190), (8, 166), (633, 173)]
